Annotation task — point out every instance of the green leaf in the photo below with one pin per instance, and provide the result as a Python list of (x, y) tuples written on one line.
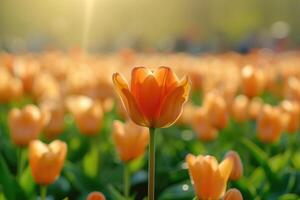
[(180, 191), (91, 161), (289, 197), (115, 193)]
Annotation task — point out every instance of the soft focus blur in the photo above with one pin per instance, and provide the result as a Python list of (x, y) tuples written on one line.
[(194, 26)]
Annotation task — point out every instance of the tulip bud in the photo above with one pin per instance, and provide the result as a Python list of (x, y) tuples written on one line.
[(130, 139), (96, 196), (292, 110), (253, 81), (202, 127), (233, 194), (239, 108), (46, 161), (255, 107), (25, 124), (237, 170)]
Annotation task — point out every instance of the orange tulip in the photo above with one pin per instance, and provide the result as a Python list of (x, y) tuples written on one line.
[(10, 88), (46, 161), (253, 81), (96, 196), (255, 106), (292, 89), (155, 99), (270, 124), (201, 125), (88, 114), (237, 170), (215, 107), (233, 194), (25, 124), (239, 108), (209, 177), (292, 110), (130, 139)]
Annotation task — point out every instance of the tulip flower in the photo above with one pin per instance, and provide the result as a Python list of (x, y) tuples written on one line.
[(10, 88), (155, 99), (46, 162), (87, 113), (215, 107), (209, 177), (25, 124), (131, 140), (255, 106), (253, 81), (202, 127), (292, 110), (270, 124), (233, 194), (237, 170), (96, 196), (239, 108)]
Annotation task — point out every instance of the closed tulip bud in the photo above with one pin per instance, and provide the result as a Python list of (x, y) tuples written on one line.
[(96, 196), (209, 177), (291, 109), (237, 170), (25, 124), (215, 107), (253, 81), (187, 114), (202, 127), (10, 88), (87, 113), (255, 106), (55, 124), (239, 108), (233, 194), (270, 124), (130, 139), (292, 89), (159, 108), (46, 161)]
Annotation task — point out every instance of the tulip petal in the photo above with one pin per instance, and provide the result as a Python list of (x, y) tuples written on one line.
[(128, 100), (171, 107), (138, 76), (166, 79)]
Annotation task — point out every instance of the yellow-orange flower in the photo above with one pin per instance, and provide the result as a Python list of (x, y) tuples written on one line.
[(202, 127), (233, 194), (155, 99), (255, 106), (46, 161), (269, 124), (130, 139), (96, 196), (292, 110), (253, 81), (239, 108), (237, 170), (209, 177), (25, 124), (10, 87), (215, 107), (87, 113)]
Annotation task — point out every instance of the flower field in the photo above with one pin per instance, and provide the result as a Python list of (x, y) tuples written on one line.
[(135, 126)]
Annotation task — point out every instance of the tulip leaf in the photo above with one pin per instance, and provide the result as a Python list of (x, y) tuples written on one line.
[(91, 161), (180, 191), (27, 182), (289, 197)]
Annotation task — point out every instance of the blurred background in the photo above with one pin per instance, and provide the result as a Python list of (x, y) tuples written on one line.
[(194, 26)]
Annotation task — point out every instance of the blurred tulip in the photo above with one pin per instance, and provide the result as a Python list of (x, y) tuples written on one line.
[(25, 124), (155, 98), (255, 106), (237, 170), (292, 110), (209, 177), (202, 127), (233, 194), (215, 108), (270, 124), (10, 88), (96, 196), (46, 161), (292, 89), (187, 114), (239, 108), (130, 139), (253, 81), (87, 113), (55, 125)]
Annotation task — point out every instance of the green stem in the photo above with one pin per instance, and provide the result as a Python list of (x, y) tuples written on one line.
[(126, 181), (21, 161), (43, 191), (195, 198), (151, 167)]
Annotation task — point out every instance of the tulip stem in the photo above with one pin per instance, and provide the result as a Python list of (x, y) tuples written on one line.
[(21, 161), (43, 191), (151, 168), (126, 181)]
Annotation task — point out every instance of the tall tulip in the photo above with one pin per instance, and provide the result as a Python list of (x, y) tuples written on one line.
[(154, 99)]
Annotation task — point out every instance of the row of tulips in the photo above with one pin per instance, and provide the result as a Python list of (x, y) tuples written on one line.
[(155, 99)]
